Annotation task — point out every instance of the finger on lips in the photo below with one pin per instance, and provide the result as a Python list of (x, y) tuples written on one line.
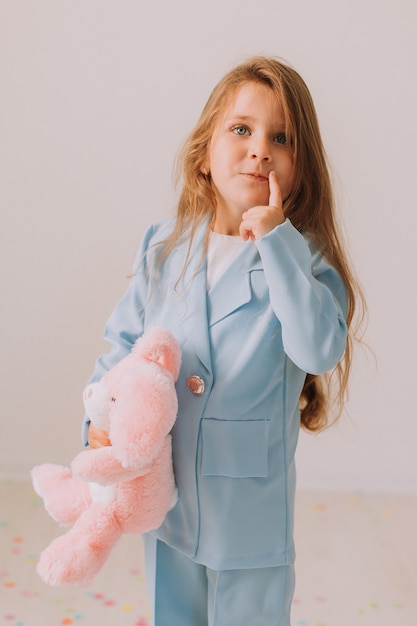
[(274, 190)]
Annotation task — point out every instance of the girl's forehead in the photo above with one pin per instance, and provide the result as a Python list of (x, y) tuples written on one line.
[(249, 95)]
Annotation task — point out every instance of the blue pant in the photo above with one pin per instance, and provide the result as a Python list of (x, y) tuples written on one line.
[(185, 593)]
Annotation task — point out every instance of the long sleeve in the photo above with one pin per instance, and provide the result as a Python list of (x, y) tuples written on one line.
[(308, 297), (126, 323)]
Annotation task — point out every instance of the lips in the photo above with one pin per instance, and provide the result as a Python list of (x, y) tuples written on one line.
[(256, 176)]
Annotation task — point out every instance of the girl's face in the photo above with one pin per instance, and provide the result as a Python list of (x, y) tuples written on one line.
[(248, 142)]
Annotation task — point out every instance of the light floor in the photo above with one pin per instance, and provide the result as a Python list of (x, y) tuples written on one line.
[(356, 565)]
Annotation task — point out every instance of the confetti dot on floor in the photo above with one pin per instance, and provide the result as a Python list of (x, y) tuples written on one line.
[(9, 584), (27, 593), (127, 607), (319, 508), (31, 558), (67, 620), (320, 599)]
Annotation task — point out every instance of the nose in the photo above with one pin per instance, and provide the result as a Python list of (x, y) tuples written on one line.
[(260, 149)]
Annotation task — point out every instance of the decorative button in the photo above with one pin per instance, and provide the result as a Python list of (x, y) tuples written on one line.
[(196, 385)]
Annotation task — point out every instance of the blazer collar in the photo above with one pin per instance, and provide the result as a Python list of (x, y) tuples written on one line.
[(231, 291)]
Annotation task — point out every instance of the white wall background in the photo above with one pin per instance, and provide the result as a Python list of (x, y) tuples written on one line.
[(96, 97)]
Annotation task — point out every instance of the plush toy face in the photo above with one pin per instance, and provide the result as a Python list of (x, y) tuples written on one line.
[(97, 403)]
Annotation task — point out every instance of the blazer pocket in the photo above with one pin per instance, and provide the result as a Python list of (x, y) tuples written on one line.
[(234, 448)]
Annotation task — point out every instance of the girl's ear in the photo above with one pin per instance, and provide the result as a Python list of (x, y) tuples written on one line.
[(205, 166)]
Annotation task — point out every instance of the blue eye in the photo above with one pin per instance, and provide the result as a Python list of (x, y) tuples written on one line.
[(281, 138), (240, 130)]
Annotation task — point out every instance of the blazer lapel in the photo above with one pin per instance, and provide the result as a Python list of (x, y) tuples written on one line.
[(202, 309), (233, 288), (192, 287)]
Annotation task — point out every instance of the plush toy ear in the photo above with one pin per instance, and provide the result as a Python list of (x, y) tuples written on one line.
[(160, 346)]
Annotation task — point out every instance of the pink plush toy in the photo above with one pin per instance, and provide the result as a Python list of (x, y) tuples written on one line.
[(127, 487)]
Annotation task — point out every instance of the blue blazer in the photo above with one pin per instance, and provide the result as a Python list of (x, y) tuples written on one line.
[(277, 312)]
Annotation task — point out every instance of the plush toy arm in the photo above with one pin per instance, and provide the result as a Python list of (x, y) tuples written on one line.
[(100, 465)]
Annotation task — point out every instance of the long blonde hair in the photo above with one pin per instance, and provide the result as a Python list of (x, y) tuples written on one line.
[(309, 206)]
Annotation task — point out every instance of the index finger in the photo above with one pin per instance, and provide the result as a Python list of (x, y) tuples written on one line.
[(274, 190)]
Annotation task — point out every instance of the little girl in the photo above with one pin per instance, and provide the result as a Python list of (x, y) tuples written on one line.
[(252, 279)]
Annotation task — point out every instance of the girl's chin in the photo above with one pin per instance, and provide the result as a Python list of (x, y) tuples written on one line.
[(253, 200)]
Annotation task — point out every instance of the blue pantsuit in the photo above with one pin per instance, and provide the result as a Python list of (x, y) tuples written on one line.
[(185, 593), (276, 313)]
